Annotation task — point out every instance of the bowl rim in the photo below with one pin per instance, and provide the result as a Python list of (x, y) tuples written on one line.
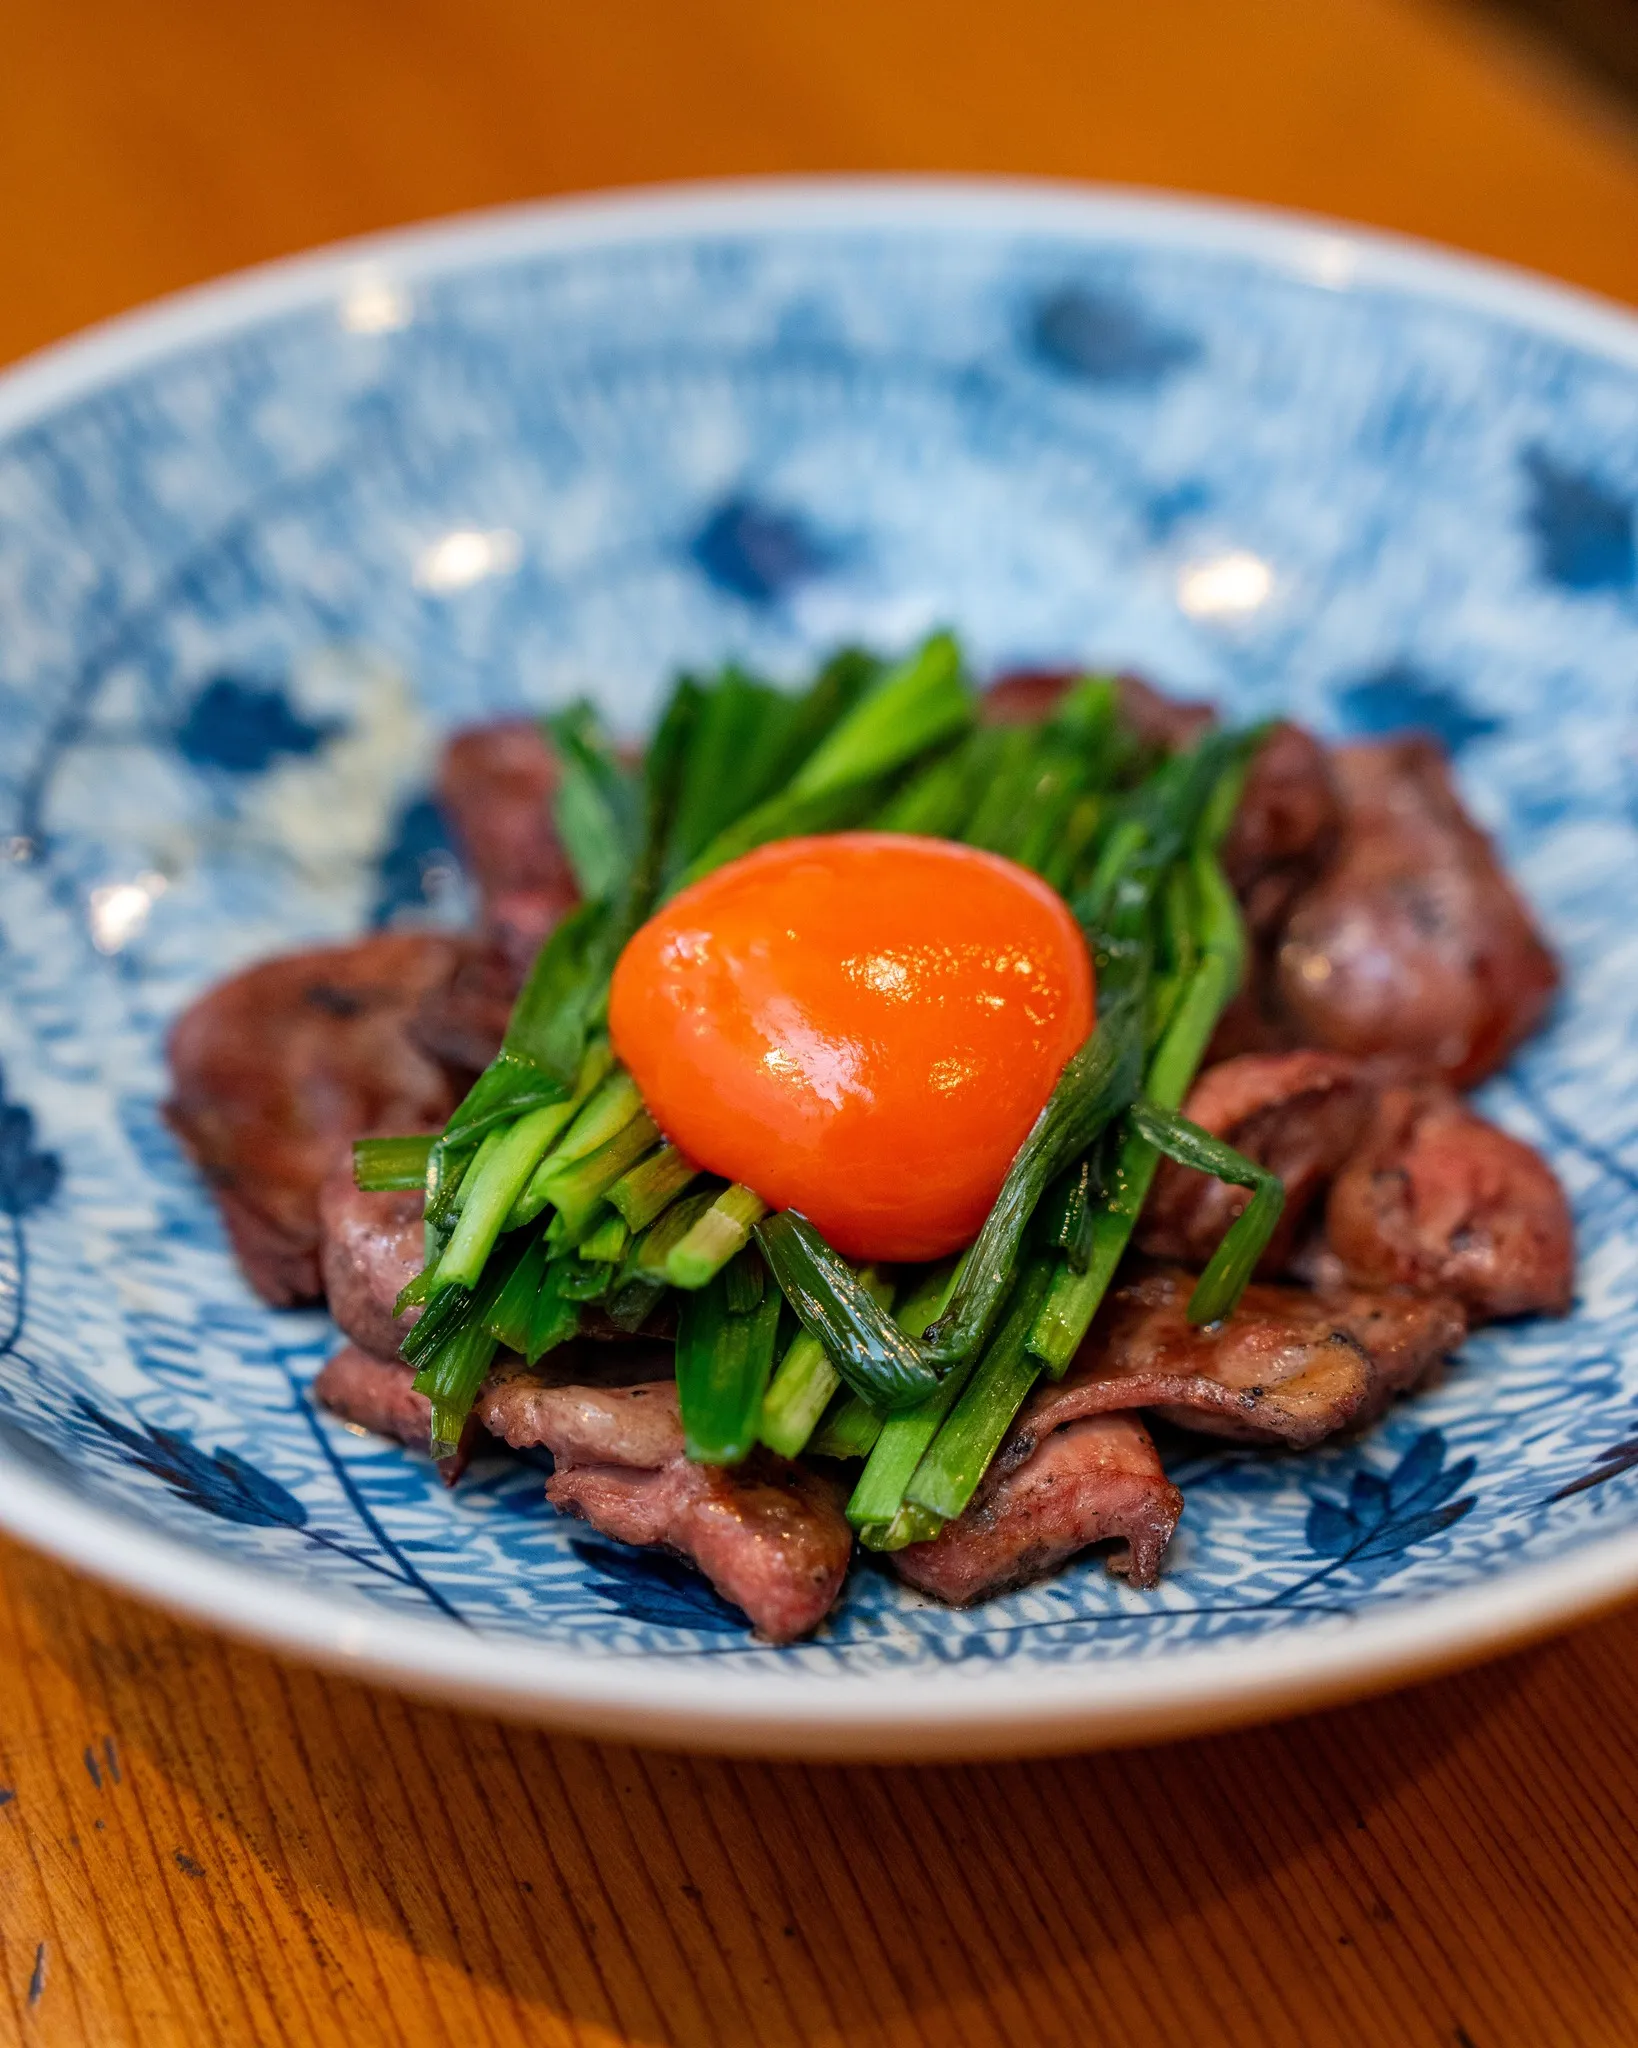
[(882, 1715)]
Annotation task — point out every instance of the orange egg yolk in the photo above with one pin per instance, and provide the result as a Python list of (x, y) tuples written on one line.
[(861, 1027)]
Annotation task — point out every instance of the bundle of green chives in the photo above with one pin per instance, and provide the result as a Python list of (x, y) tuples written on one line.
[(552, 1195)]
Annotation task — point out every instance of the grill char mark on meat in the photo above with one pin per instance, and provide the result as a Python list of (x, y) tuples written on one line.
[(270, 1068), (1302, 1114), (1415, 945), (1288, 1366), (1438, 1198), (768, 1534), (1088, 1481)]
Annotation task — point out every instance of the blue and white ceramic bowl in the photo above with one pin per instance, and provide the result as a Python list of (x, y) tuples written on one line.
[(260, 548)]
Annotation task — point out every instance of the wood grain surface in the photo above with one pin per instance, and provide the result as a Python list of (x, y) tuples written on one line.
[(200, 1845)]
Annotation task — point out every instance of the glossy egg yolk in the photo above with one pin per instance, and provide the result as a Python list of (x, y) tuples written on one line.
[(861, 1027)]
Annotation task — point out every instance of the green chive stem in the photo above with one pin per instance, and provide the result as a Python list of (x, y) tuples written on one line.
[(724, 1229)]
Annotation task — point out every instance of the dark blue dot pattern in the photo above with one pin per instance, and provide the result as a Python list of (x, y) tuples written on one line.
[(1100, 338), (1403, 697), (244, 727), (756, 551), (1584, 532)]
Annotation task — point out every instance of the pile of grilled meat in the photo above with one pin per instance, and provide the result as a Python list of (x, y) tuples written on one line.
[(1394, 966)]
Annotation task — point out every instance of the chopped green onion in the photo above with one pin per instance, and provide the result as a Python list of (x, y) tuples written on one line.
[(508, 1321), (802, 1388), (1094, 1087), (723, 1228), (918, 705), (1233, 1262), (554, 1319), (552, 1017), (453, 1368), (604, 1108), (848, 1430), (959, 1456), (629, 1303), (724, 1357), (904, 1438), (909, 1525), (650, 1253), (490, 1191), (595, 808), (1073, 1300), (383, 1164), (870, 1352), (480, 1159), (447, 1167), (1064, 1218), (577, 1187), (654, 1182), (607, 1242), (509, 1087), (445, 1310), (579, 1279)]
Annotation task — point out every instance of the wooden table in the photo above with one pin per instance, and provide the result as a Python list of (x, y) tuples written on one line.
[(197, 1844)]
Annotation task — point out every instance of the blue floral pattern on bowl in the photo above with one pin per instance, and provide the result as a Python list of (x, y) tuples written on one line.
[(246, 585)]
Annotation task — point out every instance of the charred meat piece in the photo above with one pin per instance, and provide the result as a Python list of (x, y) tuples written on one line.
[(1284, 835), (461, 1022), (1415, 945), (371, 1247), (1302, 1114), (1285, 828), (1168, 723), (1408, 1336), (769, 1535), (272, 1067), (1048, 1495), (495, 789), (1438, 1199), (1287, 1367), (378, 1394)]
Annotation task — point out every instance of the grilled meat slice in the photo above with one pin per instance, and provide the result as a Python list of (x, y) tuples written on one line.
[(462, 1021), (1289, 1366), (1300, 1113), (769, 1535), (1285, 828), (272, 1067), (1439, 1199), (377, 1394), (1051, 1492), (371, 1247), (1414, 945), (495, 789)]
